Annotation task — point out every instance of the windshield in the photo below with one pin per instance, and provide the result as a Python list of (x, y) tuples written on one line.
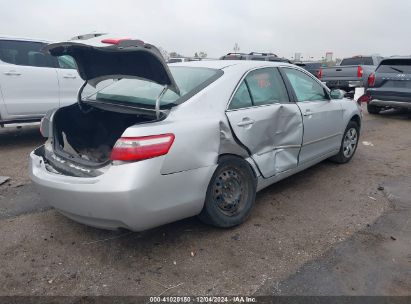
[(145, 93), (357, 61)]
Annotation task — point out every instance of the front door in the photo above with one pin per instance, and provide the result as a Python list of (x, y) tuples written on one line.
[(264, 120), (28, 79), (322, 117)]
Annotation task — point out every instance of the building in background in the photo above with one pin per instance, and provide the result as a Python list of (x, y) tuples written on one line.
[(329, 56)]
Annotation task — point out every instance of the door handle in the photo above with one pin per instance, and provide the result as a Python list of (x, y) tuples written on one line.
[(69, 77), (12, 73), (308, 112), (245, 122)]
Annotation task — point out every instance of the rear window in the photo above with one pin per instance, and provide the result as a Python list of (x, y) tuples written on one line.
[(144, 93), (357, 61), (395, 66)]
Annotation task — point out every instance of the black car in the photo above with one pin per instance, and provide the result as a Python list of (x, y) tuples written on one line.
[(312, 67), (389, 86)]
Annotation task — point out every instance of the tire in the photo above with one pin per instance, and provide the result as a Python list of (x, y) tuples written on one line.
[(349, 143), (373, 109), (230, 193)]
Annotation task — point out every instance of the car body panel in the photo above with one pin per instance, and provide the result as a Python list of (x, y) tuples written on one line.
[(319, 140), (148, 193), (109, 202), (273, 139), (23, 86)]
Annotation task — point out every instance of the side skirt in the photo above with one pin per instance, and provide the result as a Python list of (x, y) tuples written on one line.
[(265, 182)]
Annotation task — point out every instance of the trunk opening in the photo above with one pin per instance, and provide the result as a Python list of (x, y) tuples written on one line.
[(88, 137)]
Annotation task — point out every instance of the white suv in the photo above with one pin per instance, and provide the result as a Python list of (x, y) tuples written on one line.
[(33, 82)]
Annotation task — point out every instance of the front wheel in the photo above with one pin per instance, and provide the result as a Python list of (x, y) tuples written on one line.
[(349, 143), (230, 193)]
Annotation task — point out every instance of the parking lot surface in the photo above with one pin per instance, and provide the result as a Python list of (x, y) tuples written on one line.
[(320, 222)]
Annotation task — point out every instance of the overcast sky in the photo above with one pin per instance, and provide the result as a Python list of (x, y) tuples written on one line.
[(312, 27)]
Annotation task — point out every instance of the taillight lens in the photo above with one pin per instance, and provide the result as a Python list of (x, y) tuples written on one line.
[(320, 73), (114, 41), (360, 71), (371, 80), (139, 148), (364, 98)]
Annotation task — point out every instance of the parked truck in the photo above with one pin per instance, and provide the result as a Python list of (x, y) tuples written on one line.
[(351, 73)]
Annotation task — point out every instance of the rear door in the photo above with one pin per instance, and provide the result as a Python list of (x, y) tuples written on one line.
[(69, 80), (264, 120), (322, 117), (28, 79)]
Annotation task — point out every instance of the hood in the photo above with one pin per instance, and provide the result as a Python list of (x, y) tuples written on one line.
[(128, 58)]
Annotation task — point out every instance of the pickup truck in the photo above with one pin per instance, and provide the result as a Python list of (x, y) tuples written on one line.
[(351, 73)]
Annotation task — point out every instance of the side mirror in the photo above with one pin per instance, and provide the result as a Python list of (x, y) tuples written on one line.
[(337, 94)]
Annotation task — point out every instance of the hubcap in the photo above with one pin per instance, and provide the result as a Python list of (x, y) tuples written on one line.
[(227, 191), (350, 142)]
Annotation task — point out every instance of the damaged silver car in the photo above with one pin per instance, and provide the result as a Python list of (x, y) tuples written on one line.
[(147, 144)]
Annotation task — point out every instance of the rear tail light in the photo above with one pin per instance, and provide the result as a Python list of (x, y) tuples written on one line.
[(114, 41), (320, 73), (139, 148), (364, 98), (371, 80), (360, 71)]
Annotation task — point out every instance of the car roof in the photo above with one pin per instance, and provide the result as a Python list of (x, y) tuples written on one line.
[(5, 37), (228, 64)]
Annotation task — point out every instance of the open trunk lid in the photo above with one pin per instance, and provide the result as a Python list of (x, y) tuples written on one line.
[(98, 61)]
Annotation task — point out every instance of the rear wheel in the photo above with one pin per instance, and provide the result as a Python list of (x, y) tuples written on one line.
[(373, 109), (230, 194), (349, 143)]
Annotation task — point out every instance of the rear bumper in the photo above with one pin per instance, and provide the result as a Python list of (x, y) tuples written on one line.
[(391, 104), (134, 196)]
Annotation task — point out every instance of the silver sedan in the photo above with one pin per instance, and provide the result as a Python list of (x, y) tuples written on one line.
[(147, 144)]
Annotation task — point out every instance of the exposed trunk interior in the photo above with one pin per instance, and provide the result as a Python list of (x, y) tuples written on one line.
[(89, 136)]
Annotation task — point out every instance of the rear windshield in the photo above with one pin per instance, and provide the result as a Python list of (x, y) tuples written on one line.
[(357, 61), (144, 93), (395, 66)]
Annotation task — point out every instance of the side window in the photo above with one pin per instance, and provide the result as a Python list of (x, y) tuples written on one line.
[(241, 98), (66, 62), (25, 53), (266, 86), (305, 87)]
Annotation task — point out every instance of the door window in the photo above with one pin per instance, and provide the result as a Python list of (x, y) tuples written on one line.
[(241, 98), (25, 53), (305, 87), (266, 86), (260, 87)]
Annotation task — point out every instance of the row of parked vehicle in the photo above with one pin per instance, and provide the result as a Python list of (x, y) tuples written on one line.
[(50, 82)]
